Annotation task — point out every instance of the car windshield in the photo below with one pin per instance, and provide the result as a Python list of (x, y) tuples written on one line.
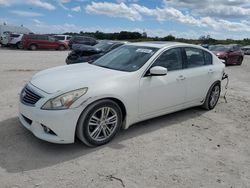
[(126, 58), (104, 45), (219, 48)]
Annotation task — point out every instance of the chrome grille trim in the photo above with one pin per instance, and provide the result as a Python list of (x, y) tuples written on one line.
[(29, 96)]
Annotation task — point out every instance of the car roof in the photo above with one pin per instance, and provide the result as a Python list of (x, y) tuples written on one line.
[(161, 44)]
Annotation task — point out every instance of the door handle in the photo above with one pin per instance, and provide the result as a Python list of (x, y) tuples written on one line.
[(211, 71), (181, 77)]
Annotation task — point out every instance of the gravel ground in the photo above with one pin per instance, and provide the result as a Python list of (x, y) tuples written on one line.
[(191, 148)]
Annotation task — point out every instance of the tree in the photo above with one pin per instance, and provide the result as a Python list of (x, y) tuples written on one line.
[(169, 38)]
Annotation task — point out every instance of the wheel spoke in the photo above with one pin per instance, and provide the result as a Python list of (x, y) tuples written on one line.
[(104, 132), (107, 129), (111, 120), (95, 118), (95, 134), (105, 113)]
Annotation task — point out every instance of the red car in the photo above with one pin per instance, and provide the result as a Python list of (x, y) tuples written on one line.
[(34, 42), (231, 54)]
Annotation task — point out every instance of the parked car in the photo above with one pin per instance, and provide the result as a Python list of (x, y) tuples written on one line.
[(83, 53), (246, 50), (6, 30), (231, 54), (82, 40), (135, 82), (4, 39), (63, 38), (205, 46), (15, 40), (34, 42)]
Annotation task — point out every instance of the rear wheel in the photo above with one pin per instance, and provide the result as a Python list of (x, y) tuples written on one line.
[(33, 47), (61, 47), (99, 123), (212, 97)]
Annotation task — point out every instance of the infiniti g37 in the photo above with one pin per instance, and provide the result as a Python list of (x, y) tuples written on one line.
[(132, 83)]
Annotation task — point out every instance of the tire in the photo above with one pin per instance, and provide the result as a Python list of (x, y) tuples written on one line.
[(19, 45), (212, 97), (240, 61), (33, 47), (61, 47), (226, 62), (92, 128)]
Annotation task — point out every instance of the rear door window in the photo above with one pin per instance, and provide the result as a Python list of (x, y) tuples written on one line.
[(42, 37), (195, 57), (208, 58)]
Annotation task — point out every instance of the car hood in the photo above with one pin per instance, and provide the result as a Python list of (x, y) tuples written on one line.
[(71, 77)]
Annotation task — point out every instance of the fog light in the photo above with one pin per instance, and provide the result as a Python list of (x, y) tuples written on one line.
[(46, 129)]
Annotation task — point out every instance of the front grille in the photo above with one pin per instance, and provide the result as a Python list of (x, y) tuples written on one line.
[(28, 96)]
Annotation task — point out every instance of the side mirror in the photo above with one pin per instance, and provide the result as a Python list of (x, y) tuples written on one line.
[(223, 61), (158, 71)]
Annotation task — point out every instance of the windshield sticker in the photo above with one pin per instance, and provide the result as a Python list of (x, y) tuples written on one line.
[(144, 50)]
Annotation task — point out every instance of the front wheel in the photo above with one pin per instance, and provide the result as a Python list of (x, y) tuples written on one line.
[(99, 123), (212, 97), (19, 45), (240, 60)]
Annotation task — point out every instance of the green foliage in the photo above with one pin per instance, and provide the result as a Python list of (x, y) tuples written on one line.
[(136, 36)]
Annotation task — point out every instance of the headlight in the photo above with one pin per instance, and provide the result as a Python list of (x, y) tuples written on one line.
[(65, 100)]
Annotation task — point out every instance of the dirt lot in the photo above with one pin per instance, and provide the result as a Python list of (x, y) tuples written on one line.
[(192, 148)]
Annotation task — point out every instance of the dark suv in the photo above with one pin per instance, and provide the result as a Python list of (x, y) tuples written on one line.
[(231, 54), (84, 53), (82, 40), (34, 42)]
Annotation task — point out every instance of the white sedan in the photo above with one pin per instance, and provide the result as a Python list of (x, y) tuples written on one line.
[(132, 83)]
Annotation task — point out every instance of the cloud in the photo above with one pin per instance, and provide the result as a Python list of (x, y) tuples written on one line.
[(41, 4), (37, 3), (136, 12), (44, 28), (113, 10), (213, 8), (4, 3), (70, 16), (76, 9), (37, 21), (64, 1), (25, 13)]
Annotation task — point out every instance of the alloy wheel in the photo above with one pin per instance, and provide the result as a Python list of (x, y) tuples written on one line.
[(214, 97), (102, 123)]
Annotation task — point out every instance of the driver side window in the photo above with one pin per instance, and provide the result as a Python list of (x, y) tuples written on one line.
[(170, 59)]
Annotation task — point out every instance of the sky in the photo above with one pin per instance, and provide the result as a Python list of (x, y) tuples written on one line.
[(221, 19)]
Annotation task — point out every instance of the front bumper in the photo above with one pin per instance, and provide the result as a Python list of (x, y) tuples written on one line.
[(62, 123)]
